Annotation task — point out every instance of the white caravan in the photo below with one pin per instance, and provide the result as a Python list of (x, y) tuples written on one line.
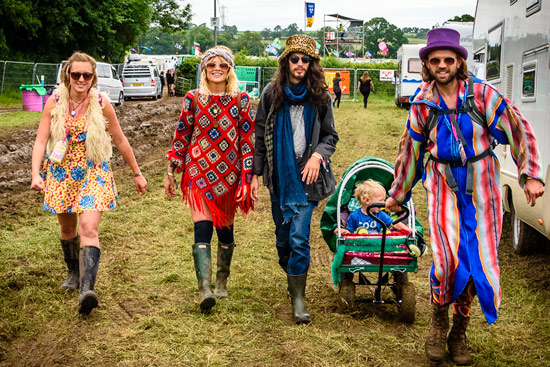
[(466, 30), (511, 40), (409, 73)]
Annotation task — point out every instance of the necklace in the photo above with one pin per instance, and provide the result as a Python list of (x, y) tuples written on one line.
[(73, 110)]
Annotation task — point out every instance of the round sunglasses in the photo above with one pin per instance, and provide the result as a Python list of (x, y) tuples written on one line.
[(448, 61), (222, 65), (76, 76), (295, 58)]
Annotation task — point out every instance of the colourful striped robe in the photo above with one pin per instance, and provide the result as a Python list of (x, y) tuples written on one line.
[(465, 229)]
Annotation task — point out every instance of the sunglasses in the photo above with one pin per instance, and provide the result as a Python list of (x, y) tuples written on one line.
[(222, 65), (295, 58), (448, 60), (76, 76)]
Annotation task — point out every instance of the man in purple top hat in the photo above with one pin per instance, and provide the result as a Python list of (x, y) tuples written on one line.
[(456, 119)]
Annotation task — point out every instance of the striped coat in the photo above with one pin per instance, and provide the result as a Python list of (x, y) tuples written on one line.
[(465, 229)]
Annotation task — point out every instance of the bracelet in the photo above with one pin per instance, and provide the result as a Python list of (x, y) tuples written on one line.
[(319, 156), (137, 174), (170, 174)]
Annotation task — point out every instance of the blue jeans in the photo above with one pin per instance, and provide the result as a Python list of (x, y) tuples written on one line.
[(292, 238)]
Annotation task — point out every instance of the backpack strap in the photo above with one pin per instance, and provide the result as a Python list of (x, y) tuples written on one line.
[(470, 106)]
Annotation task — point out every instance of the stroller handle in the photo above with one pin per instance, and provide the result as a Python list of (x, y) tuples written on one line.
[(401, 218)]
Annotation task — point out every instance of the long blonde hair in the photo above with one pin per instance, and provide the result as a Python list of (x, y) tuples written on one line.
[(231, 83), (365, 76), (77, 56)]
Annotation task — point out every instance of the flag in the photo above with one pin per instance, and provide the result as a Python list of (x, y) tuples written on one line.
[(146, 48), (368, 54), (133, 50), (310, 12), (197, 48), (336, 53), (276, 43), (178, 46)]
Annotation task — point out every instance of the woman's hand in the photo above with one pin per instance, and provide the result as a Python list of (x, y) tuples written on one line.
[(392, 205), (254, 188), (311, 170), (141, 184), (37, 183), (242, 191), (170, 186)]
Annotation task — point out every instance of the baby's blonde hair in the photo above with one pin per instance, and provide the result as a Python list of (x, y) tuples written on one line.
[(368, 188)]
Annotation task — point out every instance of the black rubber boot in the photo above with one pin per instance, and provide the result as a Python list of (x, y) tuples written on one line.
[(203, 268), (71, 251), (297, 290), (89, 262), (225, 253)]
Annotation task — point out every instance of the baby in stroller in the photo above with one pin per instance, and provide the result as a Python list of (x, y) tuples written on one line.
[(359, 221)]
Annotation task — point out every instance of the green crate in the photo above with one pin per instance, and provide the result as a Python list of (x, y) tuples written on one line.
[(246, 73)]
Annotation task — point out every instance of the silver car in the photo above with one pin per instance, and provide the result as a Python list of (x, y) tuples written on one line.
[(141, 80)]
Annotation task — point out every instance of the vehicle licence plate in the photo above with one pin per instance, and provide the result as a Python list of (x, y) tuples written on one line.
[(137, 85)]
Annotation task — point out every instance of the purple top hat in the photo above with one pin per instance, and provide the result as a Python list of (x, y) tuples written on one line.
[(443, 39)]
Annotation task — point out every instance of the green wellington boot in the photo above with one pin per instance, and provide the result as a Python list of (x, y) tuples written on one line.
[(457, 342), (225, 253), (203, 268), (297, 290), (71, 252), (89, 262)]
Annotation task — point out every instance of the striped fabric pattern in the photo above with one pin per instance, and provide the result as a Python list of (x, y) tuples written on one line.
[(464, 229)]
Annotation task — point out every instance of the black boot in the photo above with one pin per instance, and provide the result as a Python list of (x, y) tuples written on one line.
[(89, 262), (225, 253), (203, 268), (297, 289), (71, 251)]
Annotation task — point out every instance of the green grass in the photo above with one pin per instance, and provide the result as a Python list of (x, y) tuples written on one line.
[(10, 100), (148, 314), (19, 119)]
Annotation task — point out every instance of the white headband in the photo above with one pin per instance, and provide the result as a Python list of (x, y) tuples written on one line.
[(213, 52)]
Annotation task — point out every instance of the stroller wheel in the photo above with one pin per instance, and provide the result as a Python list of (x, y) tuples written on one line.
[(407, 309), (346, 293)]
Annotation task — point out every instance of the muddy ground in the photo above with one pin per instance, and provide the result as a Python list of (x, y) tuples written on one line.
[(148, 125)]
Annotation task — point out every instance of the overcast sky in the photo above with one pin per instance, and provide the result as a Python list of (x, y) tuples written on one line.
[(255, 15)]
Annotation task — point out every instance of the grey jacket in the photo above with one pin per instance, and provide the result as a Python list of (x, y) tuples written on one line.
[(328, 137)]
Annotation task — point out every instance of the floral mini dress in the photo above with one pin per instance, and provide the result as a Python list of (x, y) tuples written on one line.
[(77, 184)]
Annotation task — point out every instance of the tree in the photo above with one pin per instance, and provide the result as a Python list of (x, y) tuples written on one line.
[(266, 33), (291, 29), (462, 18), (379, 29), (231, 29), (252, 42), (161, 43), (202, 35), (277, 32), (226, 39), (168, 15), (47, 31)]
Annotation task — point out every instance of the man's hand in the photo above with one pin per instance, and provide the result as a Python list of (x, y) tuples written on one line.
[(254, 188), (311, 170), (170, 186), (392, 205), (533, 190)]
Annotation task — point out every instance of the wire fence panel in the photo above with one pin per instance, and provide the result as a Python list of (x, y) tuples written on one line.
[(14, 74), (49, 71)]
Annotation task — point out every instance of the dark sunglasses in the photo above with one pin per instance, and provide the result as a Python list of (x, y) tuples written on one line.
[(295, 58), (222, 65), (76, 76), (448, 60)]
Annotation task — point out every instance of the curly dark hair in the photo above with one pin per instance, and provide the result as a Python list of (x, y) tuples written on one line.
[(315, 79), (461, 73)]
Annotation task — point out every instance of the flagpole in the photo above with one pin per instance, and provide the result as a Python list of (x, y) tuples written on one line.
[(305, 16)]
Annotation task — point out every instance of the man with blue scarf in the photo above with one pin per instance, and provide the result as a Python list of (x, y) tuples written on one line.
[(295, 138)]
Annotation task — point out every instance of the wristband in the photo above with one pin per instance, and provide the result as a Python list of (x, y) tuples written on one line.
[(170, 174), (318, 155), (137, 174)]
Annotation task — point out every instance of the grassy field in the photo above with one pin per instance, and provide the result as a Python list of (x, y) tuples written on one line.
[(148, 313), (20, 119)]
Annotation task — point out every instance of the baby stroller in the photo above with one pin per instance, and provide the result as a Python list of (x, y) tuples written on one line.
[(389, 255)]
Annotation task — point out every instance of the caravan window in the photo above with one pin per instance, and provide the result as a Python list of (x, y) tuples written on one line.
[(494, 49), (414, 66), (532, 6), (529, 79)]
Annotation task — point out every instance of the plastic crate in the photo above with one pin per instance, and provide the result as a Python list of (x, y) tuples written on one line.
[(246, 73)]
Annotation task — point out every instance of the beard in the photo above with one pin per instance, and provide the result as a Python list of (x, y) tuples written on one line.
[(446, 80)]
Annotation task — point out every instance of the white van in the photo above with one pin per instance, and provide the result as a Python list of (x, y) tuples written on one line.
[(141, 80), (108, 81), (409, 73), (512, 41)]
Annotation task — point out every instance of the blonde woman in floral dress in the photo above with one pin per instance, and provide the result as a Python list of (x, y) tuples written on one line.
[(79, 185)]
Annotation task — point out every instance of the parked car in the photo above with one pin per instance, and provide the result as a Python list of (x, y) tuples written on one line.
[(108, 81), (141, 80)]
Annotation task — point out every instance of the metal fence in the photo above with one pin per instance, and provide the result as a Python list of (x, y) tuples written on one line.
[(15, 73)]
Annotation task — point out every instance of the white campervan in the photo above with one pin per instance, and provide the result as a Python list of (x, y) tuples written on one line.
[(512, 41), (409, 73)]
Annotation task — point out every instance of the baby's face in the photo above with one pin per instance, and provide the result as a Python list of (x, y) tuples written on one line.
[(377, 197)]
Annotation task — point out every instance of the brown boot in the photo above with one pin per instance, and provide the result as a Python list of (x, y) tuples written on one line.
[(347, 291), (458, 344), (435, 343)]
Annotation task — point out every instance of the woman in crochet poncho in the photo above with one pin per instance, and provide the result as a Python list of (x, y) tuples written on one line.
[(213, 150)]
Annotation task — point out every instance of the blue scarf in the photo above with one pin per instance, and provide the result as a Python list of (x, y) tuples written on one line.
[(291, 188)]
